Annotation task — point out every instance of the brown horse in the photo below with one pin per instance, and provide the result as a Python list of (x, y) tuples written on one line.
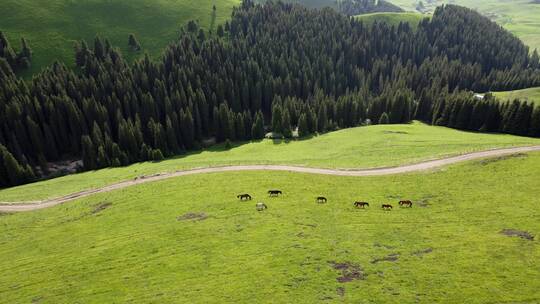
[(361, 204), (387, 207), (405, 204), (321, 199), (274, 192), (244, 197)]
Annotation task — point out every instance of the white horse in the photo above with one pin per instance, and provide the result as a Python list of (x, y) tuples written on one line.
[(261, 206)]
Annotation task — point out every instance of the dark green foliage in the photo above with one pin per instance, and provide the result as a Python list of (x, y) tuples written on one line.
[(303, 128), (257, 131), (134, 43), (12, 172), (22, 60), (384, 120)]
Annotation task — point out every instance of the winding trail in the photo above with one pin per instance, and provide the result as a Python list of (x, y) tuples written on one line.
[(22, 206)]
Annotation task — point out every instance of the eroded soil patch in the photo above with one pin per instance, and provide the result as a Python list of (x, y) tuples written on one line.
[(349, 271), (522, 234), (501, 158), (389, 258), (101, 206), (192, 217), (423, 252)]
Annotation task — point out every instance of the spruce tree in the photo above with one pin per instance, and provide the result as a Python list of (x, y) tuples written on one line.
[(384, 120), (303, 129), (257, 131), (133, 43)]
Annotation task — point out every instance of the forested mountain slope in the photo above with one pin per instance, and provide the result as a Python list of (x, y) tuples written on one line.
[(52, 26), (280, 65)]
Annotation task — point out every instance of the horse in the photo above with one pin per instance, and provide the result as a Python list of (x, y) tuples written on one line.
[(321, 199), (405, 204), (274, 192), (361, 204), (244, 196), (387, 207), (261, 206)]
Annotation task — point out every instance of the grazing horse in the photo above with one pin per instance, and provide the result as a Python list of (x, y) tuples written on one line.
[(405, 204), (361, 204), (244, 196), (387, 207), (261, 206), (321, 199), (274, 192)]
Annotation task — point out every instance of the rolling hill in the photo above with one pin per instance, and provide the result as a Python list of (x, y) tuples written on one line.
[(519, 17), (531, 95), (52, 29), (471, 237), (363, 147), (393, 18)]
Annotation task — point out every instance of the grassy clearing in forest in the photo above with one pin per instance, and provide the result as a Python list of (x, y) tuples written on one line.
[(532, 95)]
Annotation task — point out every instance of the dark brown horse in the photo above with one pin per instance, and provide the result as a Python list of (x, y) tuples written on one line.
[(387, 207), (321, 199), (244, 197), (405, 204), (361, 204), (274, 192)]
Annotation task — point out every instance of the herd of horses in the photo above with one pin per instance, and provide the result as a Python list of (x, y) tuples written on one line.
[(322, 200)]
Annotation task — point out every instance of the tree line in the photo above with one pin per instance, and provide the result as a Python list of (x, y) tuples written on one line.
[(274, 67), (17, 61)]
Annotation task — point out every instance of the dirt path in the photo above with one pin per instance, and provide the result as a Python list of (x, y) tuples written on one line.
[(20, 207)]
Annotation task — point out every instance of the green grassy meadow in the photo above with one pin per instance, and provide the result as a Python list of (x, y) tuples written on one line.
[(53, 26), (532, 95), (363, 147), (518, 16), (137, 245), (393, 18)]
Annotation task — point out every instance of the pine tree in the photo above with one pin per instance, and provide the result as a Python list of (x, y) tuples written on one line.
[(535, 123), (322, 119), (257, 131), (88, 153), (133, 43), (303, 129), (384, 120), (286, 124), (277, 119)]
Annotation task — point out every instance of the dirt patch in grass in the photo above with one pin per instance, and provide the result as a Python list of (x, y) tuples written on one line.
[(423, 252), (389, 258), (383, 246), (307, 225), (101, 206), (349, 271), (192, 217), (340, 291), (522, 234), (488, 161)]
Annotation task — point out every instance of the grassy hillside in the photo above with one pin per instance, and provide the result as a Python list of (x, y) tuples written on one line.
[(393, 18), (532, 95), (364, 147), (188, 240), (518, 16), (52, 26)]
